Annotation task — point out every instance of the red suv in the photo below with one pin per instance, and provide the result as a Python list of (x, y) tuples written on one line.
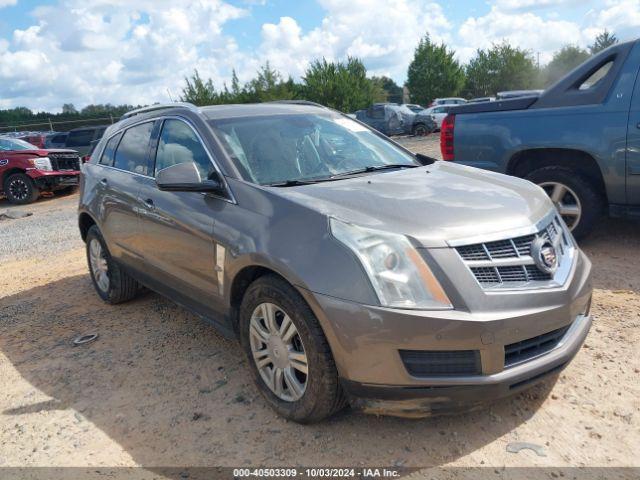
[(26, 170)]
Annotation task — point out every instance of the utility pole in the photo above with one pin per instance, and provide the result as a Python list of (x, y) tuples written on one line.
[(538, 54)]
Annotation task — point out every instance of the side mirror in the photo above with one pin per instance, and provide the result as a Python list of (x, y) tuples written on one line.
[(185, 177), (424, 160)]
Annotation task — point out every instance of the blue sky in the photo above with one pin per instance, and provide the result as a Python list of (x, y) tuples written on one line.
[(98, 51)]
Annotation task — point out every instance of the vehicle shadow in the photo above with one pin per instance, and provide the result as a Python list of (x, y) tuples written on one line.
[(170, 391), (613, 248)]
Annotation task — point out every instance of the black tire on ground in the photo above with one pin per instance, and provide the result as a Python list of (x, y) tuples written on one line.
[(591, 200), (420, 130), (20, 189), (122, 287), (323, 395)]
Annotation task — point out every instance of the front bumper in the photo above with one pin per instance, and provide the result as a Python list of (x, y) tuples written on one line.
[(366, 342), (51, 180)]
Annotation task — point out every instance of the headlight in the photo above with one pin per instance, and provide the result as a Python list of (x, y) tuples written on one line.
[(400, 276), (42, 163)]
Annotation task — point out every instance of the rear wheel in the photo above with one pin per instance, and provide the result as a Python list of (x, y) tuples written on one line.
[(112, 283), (577, 200), (289, 357), (20, 189)]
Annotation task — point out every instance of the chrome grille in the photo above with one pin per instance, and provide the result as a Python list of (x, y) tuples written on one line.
[(508, 263)]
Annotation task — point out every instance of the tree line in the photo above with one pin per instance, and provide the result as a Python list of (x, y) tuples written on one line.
[(344, 85)]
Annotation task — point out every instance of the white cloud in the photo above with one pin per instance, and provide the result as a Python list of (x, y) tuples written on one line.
[(524, 30), (7, 3), (382, 33), (116, 52), (619, 16), (531, 4)]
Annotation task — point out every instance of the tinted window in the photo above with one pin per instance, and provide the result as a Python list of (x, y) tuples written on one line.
[(598, 75), (376, 112), (109, 151), (179, 144), (131, 154), (59, 138), (80, 138)]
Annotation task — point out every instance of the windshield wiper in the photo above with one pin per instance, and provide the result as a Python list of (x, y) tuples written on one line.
[(294, 183), (373, 169)]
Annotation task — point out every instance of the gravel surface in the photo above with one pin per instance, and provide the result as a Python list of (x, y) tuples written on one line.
[(52, 227), (160, 387)]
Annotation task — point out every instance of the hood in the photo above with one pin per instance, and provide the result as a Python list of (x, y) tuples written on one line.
[(40, 152), (435, 204)]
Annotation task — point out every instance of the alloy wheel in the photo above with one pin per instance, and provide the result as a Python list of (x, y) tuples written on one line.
[(278, 352), (19, 189), (99, 266), (566, 202)]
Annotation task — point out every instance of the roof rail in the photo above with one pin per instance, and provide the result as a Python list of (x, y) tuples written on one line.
[(159, 106), (299, 102)]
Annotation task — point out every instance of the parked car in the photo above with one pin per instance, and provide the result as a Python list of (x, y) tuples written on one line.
[(448, 101), (80, 138), (349, 268), (414, 107), (482, 99), (56, 140), (35, 139), (394, 119), (26, 170), (437, 114), (579, 140), (518, 94)]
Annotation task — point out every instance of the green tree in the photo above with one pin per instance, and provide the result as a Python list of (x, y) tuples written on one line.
[(269, 85), (391, 91), (433, 72), (602, 41), (68, 108), (499, 68), (200, 92), (343, 86), (563, 61)]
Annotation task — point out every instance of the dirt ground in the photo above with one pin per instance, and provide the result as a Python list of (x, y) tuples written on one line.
[(160, 387)]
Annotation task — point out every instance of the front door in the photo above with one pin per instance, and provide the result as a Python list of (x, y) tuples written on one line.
[(177, 227)]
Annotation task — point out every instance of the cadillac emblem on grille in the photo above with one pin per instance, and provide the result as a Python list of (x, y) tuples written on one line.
[(544, 255)]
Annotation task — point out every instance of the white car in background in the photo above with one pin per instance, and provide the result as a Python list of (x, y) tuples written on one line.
[(437, 113), (448, 101)]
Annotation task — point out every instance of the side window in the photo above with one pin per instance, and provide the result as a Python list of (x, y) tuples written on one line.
[(109, 151), (79, 138), (377, 112), (178, 143), (596, 76), (131, 154)]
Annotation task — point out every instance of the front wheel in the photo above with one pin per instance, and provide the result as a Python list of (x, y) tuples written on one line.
[(289, 357), (420, 130), (575, 197), (111, 282), (20, 189)]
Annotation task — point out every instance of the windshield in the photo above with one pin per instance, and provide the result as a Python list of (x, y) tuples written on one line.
[(304, 147), (7, 144)]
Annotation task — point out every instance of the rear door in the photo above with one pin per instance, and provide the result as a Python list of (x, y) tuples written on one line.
[(178, 226), (633, 148), (122, 168)]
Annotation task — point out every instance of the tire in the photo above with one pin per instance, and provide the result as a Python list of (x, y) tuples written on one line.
[(420, 130), (322, 395), (588, 201), (120, 287), (20, 189)]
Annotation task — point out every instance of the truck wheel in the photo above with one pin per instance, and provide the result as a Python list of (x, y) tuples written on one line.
[(112, 283), (420, 130), (289, 357), (577, 200), (20, 189)]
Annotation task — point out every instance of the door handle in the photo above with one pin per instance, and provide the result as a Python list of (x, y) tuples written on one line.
[(104, 182), (148, 202)]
